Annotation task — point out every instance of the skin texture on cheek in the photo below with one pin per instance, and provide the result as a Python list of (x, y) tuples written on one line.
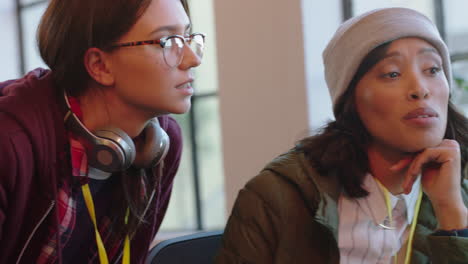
[(367, 103), (373, 111), (375, 117)]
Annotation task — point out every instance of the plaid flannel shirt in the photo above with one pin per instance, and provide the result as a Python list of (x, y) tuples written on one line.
[(66, 203)]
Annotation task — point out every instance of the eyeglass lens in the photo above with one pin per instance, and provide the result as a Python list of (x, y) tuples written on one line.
[(174, 48)]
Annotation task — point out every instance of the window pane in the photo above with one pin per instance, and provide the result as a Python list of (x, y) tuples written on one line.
[(456, 25), (26, 2), (181, 212), (30, 17), (206, 80), (460, 87), (210, 162), (424, 6), (9, 48)]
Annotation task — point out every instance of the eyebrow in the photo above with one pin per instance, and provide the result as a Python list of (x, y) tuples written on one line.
[(391, 54), (170, 28)]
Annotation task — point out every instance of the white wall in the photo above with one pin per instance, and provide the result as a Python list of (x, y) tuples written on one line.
[(9, 50), (263, 102)]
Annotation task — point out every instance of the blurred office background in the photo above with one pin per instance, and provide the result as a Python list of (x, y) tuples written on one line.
[(261, 87)]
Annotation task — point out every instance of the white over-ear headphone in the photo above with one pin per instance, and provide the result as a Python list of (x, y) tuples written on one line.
[(110, 149)]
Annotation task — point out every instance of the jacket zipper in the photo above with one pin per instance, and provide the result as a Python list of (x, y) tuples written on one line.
[(35, 229)]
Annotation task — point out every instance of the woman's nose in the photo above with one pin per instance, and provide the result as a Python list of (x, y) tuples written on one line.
[(419, 95), (190, 59), (418, 89)]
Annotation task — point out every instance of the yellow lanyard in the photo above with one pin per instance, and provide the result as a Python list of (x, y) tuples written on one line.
[(100, 245), (388, 203)]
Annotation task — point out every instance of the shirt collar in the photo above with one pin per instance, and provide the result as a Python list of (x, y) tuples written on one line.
[(411, 199), (375, 206)]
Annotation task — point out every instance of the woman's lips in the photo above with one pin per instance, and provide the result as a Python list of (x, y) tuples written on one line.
[(185, 88), (422, 117)]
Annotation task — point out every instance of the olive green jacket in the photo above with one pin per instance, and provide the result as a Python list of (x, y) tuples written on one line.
[(288, 214)]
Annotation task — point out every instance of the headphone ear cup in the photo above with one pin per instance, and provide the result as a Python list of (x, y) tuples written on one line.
[(113, 150), (108, 149), (155, 147)]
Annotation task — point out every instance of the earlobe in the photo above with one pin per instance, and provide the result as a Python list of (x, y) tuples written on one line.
[(97, 65)]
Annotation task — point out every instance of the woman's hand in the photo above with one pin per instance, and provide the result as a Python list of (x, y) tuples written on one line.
[(440, 170)]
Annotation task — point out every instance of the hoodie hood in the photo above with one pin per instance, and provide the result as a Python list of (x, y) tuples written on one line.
[(32, 102)]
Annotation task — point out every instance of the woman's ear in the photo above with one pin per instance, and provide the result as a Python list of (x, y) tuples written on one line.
[(97, 64)]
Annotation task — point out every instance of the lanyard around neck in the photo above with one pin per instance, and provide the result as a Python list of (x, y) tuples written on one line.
[(100, 245), (388, 204)]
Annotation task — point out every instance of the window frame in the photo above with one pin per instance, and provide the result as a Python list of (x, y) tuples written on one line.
[(347, 13)]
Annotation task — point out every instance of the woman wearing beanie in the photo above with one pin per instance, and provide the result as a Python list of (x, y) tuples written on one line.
[(383, 183)]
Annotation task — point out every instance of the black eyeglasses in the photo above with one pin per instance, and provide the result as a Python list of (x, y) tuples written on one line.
[(173, 46)]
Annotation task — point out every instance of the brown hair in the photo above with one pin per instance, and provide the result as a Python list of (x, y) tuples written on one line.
[(69, 28), (66, 31), (340, 146)]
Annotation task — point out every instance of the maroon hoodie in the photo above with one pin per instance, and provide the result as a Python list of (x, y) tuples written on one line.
[(33, 157)]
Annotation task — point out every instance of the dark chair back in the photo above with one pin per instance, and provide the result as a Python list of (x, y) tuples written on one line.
[(200, 248)]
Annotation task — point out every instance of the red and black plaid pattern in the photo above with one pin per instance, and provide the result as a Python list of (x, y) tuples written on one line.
[(66, 202)]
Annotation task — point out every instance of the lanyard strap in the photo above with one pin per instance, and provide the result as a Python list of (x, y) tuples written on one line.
[(100, 245), (413, 227), (388, 204)]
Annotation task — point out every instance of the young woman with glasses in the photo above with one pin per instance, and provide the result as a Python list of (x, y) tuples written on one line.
[(88, 153), (383, 182)]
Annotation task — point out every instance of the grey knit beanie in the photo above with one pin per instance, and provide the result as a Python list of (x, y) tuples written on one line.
[(358, 36)]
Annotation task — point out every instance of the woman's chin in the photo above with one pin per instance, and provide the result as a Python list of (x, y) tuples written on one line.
[(177, 109), (183, 109), (420, 145)]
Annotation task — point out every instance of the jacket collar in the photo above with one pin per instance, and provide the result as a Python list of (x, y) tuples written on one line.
[(320, 193)]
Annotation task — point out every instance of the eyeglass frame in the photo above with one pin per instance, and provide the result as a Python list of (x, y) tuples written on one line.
[(162, 42)]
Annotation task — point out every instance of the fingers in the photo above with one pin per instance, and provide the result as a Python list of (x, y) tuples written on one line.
[(402, 164), (425, 158), (431, 159)]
